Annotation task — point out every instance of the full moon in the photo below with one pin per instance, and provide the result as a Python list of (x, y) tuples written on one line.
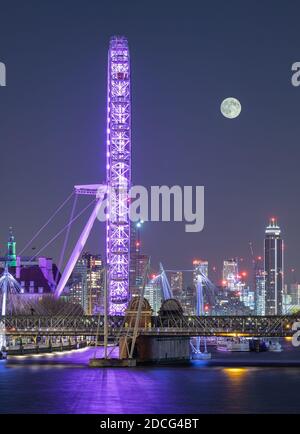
[(231, 108)]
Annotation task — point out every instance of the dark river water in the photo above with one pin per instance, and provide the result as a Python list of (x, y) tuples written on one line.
[(64, 384)]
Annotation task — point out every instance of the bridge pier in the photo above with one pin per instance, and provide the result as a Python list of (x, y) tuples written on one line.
[(159, 349)]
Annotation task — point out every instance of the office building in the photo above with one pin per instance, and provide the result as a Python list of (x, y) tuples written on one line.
[(273, 254), (86, 285), (230, 273), (176, 284)]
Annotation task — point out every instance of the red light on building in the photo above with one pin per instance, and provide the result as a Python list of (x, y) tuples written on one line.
[(244, 274), (206, 308)]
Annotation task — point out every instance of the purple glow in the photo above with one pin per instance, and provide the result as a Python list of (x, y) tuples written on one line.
[(118, 173)]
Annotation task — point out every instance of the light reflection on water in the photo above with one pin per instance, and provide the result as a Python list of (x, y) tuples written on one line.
[(236, 373), (63, 383)]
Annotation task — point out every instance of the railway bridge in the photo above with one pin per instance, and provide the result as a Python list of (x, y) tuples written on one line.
[(169, 325)]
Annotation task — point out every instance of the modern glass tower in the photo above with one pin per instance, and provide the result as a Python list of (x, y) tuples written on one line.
[(273, 250), (259, 285), (230, 273)]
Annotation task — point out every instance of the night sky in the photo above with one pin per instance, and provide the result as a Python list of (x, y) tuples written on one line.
[(187, 56)]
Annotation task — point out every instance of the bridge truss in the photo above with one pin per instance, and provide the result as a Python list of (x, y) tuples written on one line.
[(256, 326)]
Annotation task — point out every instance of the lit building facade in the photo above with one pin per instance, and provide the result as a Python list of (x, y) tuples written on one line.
[(291, 298), (287, 306), (273, 254), (188, 300), (294, 292), (36, 276), (78, 291), (259, 284), (230, 273), (153, 295), (86, 286), (138, 267), (200, 269), (135, 246), (176, 283), (138, 261), (229, 302), (247, 296), (200, 265), (95, 285)]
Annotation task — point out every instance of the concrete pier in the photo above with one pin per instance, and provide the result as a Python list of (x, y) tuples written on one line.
[(162, 349), (155, 349)]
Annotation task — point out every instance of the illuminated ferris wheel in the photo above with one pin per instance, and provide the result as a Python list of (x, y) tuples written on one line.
[(118, 174)]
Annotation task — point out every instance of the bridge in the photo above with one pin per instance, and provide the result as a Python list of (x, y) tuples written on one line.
[(181, 326)]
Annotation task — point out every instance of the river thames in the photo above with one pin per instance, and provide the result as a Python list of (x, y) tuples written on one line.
[(62, 383)]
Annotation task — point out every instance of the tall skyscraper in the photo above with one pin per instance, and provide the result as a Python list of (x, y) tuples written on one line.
[(200, 265), (188, 300), (273, 249), (230, 273), (200, 268), (78, 284), (176, 283), (153, 295), (259, 285), (135, 249), (138, 261), (87, 284), (95, 284)]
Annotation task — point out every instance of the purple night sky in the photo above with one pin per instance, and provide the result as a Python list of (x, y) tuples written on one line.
[(186, 58)]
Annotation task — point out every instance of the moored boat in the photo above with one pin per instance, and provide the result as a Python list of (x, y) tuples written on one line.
[(233, 345)]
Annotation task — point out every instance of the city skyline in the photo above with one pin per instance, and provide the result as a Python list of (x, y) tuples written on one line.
[(138, 252), (240, 191)]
